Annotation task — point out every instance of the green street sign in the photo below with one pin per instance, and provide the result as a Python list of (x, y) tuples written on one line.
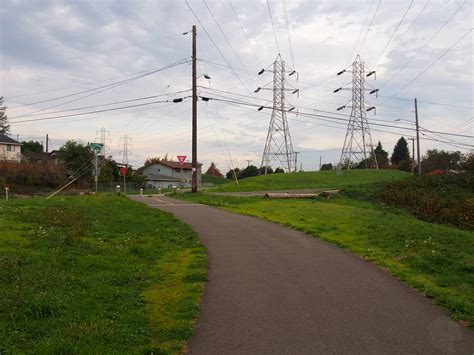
[(96, 146)]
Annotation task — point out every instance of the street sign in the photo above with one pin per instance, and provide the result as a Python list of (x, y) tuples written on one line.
[(181, 159), (123, 170), (96, 146)]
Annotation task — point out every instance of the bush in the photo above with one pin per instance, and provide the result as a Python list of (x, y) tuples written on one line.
[(445, 198), (20, 176)]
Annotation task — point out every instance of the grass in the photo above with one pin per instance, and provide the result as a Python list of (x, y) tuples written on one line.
[(308, 180), (215, 180), (96, 274), (436, 259)]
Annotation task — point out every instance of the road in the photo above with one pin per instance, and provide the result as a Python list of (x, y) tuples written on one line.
[(274, 290)]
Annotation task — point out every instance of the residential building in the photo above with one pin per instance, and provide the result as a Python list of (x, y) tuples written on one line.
[(10, 149), (169, 173)]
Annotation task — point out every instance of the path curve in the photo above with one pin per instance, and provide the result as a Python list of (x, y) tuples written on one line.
[(274, 290)]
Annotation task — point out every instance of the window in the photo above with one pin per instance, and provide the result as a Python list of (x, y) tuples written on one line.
[(10, 148)]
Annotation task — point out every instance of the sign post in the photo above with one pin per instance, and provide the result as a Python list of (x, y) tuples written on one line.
[(6, 192), (96, 147), (181, 159)]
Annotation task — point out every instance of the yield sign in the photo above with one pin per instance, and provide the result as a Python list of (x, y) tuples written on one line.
[(181, 159)]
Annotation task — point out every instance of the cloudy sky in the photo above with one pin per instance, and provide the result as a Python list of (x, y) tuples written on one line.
[(64, 58)]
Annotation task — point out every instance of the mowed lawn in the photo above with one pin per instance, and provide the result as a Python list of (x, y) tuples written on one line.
[(436, 259), (96, 274), (312, 180)]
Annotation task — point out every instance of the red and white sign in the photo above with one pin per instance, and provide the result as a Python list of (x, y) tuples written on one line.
[(181, 159), (123, 170)]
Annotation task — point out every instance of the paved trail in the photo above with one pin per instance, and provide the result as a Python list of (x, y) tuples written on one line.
[(273, 290)]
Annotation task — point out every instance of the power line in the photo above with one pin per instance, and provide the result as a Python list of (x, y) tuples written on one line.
[(415, 20), (361, 30), (370, 25), (243, 31), (335, 118), (182, 61), (225, 37), (101, 105), (393, 34), (289, 35), (100, 111), (214, 43), (425, 45), (429, 66), (273, 26)]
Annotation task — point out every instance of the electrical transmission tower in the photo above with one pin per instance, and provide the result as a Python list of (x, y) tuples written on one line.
[(125, 148), (358, 149), (104, 140), (278, 147)]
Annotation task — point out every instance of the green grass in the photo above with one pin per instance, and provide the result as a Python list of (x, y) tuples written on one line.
[(215, 180), (436, 259), (96, 274), (308, 180)]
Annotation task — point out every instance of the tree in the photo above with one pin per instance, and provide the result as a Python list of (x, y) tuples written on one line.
[(381, 156), (279, 170), (230, 174), (327, 166), (31, 146), (401, 154), (468, 162), (153, 160), (213, 170), (269, 170), (78, 159), (249, 171), (440, 159), (4, 126)]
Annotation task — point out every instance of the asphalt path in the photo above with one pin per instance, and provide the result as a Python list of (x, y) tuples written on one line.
[(274, 290)]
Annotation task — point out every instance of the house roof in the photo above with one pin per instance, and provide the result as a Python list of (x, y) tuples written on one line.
[(173, 165), (160, 177), (5, 139)]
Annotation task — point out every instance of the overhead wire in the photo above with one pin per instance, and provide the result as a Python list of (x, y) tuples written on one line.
[(214, 43), (368, 28), (245, 34), (98, 111), (289, 34), (105, 86), (425, 45), (429, 66), (225, 37), (361, 31), (393, 33), (273, 26)]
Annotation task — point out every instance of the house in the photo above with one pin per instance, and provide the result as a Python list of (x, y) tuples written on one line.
[(169, 173), (10, 149)]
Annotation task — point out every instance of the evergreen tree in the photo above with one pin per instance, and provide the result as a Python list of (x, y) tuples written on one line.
[(213, 170), (400, 152), (381, 156), (4, 126)]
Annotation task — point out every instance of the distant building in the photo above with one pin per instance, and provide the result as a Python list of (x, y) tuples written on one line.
[(169, 173), (10, 149)]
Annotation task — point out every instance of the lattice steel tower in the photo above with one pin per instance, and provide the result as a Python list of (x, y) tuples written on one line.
[(278, 147), (358, 149)]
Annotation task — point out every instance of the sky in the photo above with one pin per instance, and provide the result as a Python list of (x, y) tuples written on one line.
[(60, 58)]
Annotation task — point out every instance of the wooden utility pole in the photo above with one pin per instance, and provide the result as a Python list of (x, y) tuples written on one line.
[(417, 139), (47, 141), (194, 144)]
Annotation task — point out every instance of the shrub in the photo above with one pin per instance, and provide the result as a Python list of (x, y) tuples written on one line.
[(19, 176), (445, 198)]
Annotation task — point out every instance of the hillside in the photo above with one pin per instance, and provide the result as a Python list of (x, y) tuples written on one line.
[(317, 179), (215, 180)]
